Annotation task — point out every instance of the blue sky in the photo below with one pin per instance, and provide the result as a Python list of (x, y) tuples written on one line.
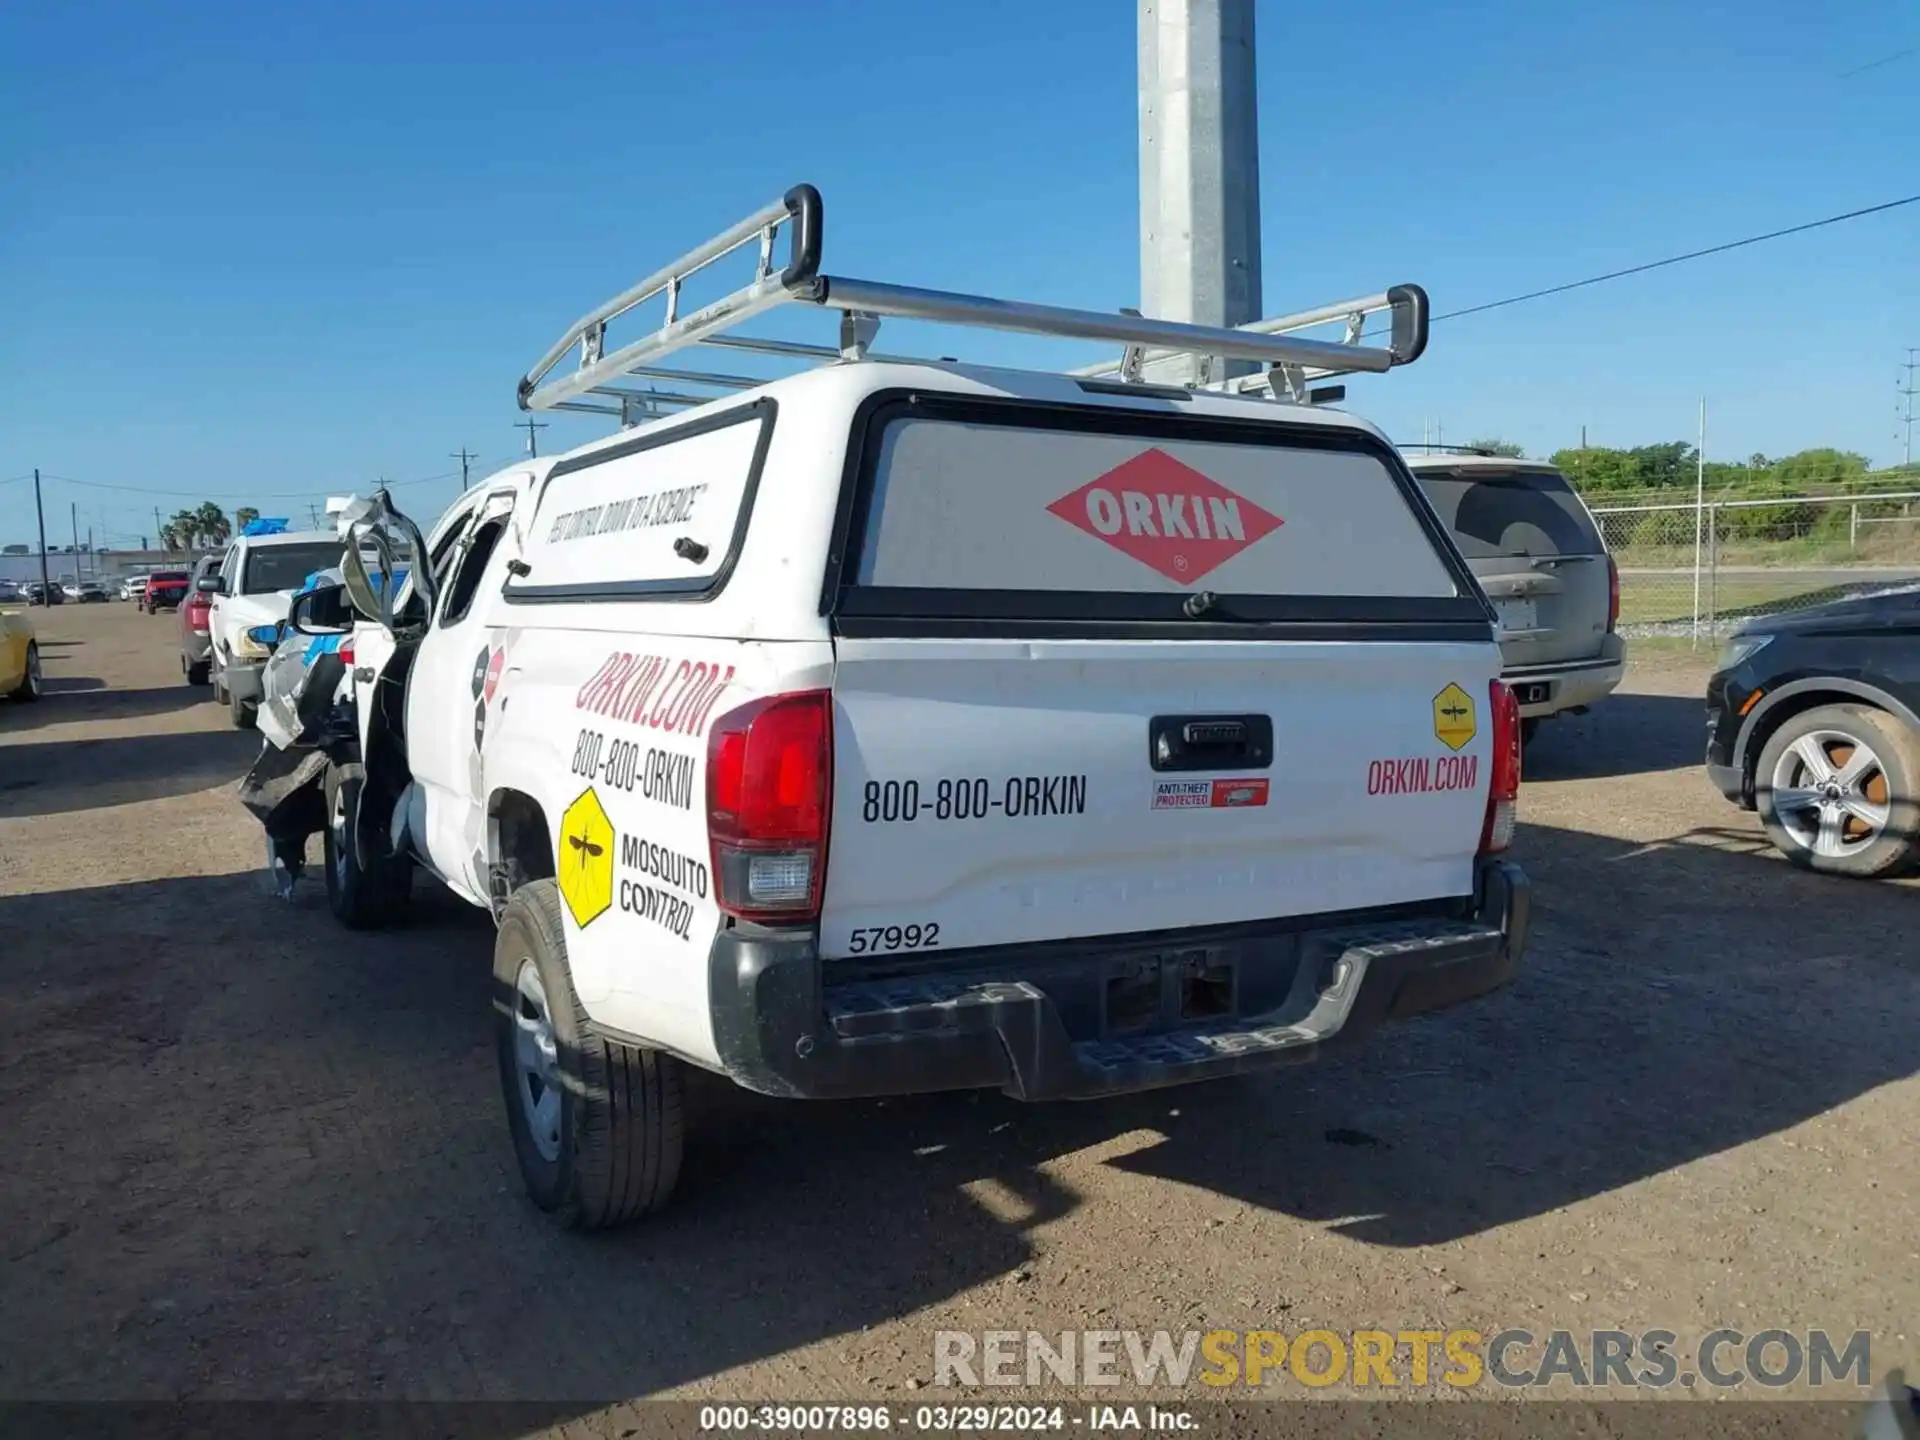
[(270, 252)]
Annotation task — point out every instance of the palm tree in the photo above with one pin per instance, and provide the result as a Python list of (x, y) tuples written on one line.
[(186, 529), (213, 524), (244, 517)]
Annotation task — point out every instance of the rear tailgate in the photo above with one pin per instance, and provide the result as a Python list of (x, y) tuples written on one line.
[(1536, 551), (1036, 740)]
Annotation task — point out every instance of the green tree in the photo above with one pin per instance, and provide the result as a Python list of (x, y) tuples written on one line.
[(244, 517), (1506, 449), (213, 524), (1818, 469)]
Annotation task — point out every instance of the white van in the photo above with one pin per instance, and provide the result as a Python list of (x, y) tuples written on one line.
[(903, 726)]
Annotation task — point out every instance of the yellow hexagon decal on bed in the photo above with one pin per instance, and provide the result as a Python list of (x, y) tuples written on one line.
[(1453, 724), (586, 859)]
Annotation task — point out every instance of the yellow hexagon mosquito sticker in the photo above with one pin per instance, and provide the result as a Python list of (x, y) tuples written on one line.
[(1453, 723), (586, 859)]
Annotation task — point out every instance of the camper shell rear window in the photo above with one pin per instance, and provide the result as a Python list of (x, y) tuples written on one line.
[(965, 512)]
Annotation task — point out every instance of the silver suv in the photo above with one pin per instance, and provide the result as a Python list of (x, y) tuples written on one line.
[(1535, 549)]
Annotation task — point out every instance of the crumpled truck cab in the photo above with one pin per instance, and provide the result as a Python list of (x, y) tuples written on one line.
[(897, 726)]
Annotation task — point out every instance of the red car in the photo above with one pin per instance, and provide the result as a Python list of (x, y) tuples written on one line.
[(196, 644), (165, 590)]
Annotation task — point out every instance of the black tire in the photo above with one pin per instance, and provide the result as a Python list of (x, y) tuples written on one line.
[(361, 897), (1891, 783), (198, 672), (31, 683), (621, 1124), (244, 713)]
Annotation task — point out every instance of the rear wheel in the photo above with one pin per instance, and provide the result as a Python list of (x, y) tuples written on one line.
[(31, 682), (199, 672), (598, 1127), (362, 896), (1838, 789), (244, 713)]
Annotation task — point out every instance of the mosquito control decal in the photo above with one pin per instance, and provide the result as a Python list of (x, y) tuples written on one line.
[(1167, 515), (1453, 722), (586, 859), (669, 882)]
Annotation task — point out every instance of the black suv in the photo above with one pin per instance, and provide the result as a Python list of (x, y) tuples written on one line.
[(1813, 719)]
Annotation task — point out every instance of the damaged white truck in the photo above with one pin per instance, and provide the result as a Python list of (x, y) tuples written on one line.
[(899, 726)]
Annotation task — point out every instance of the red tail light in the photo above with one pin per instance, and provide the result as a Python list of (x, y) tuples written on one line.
[(1503, 795), (769, 793), (345, 652), (1613, 594)]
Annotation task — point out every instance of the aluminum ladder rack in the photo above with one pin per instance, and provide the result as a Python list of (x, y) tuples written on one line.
[(1289, 363)]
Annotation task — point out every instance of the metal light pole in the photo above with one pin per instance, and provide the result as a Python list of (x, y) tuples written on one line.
[(1199, 170), (1699, 513)]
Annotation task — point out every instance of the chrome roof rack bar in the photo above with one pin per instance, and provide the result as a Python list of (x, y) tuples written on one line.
[(1288, 360)]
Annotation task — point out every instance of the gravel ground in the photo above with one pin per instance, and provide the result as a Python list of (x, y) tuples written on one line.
[(250, 1156)]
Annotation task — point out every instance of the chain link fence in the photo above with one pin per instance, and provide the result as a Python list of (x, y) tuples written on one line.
[(1703, 570)]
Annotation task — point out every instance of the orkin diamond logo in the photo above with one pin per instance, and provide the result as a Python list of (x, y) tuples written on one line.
[(1167, 515)]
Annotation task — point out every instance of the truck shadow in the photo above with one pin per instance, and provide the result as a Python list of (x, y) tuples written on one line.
[(76, 698), (60, 776), (1680, 999), (1626, 734)]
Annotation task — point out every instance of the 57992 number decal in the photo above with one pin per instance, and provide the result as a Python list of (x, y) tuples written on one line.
[(885, 939)]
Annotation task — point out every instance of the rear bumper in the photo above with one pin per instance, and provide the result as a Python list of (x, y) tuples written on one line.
[(1571, 685), (197, 647), (780, 1030)]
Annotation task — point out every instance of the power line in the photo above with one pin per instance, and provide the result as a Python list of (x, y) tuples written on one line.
[(1875, 65), (1669, 260), (1679, 259)]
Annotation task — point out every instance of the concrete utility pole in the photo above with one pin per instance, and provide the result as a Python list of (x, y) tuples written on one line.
[(1199, 170), (40, 515)]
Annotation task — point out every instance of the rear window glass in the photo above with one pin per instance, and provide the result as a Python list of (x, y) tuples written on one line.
[(974, 506), (167, 577), (1518, 515), (286, 567)]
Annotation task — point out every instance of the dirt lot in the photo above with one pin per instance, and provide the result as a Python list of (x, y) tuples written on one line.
[(247, 1155)]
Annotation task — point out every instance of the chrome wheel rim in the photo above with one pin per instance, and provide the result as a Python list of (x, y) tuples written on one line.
[(342, 836), (1831, 794), (536, 1059), (33, 669)]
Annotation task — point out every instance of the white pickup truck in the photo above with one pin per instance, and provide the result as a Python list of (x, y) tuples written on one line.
[(895, 727)]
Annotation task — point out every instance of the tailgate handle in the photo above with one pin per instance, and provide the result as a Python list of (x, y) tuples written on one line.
[(1214, 732), (1210, 742)]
